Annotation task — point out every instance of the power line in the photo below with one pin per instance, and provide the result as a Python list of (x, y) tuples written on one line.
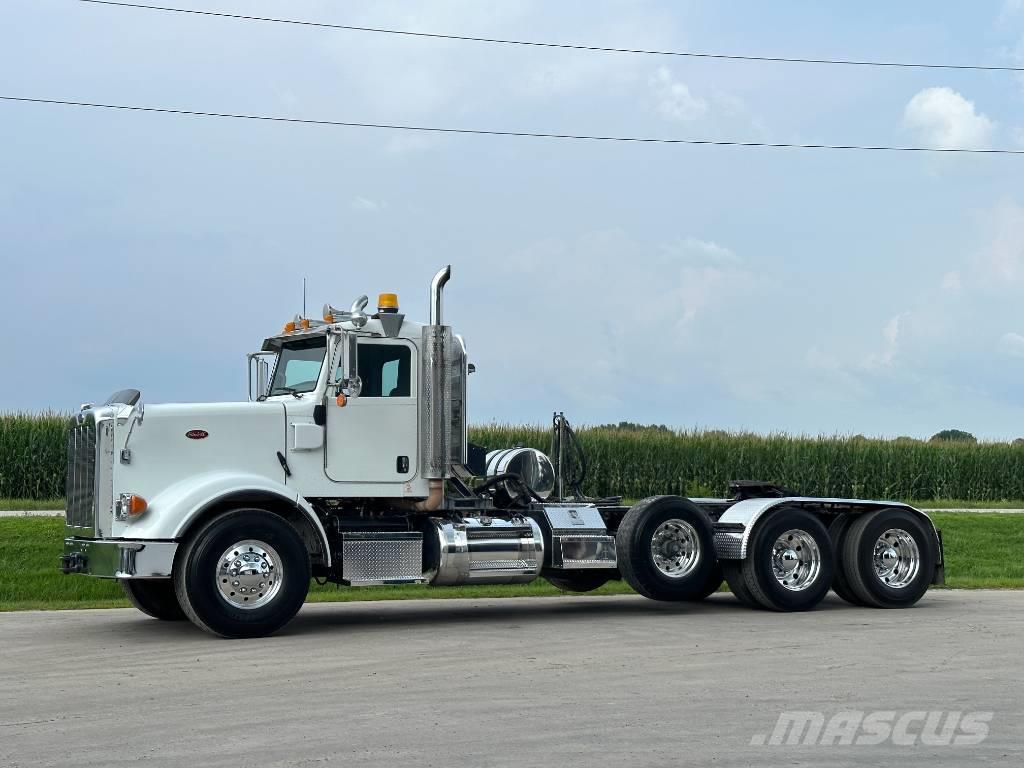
[(566, 46), (525, 134)]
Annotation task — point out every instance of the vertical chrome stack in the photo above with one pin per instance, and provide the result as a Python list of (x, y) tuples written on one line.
[(435, 408)]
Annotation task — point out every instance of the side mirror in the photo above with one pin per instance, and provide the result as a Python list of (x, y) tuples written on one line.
[(258, 360), (349, 383)]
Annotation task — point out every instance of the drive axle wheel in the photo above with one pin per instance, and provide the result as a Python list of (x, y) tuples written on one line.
[(245, 574), (789, 564), (666, 550), (578, 581), (840, 583), (154, 597), (889, 558)]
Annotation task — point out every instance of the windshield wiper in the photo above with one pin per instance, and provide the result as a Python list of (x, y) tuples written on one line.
[(287, 391)]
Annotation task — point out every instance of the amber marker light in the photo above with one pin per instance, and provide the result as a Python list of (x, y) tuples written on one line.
[(131, 505), (304, 323), (289, 326), (341, 400)]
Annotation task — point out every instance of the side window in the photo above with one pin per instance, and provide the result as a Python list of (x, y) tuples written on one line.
[(385, 370)]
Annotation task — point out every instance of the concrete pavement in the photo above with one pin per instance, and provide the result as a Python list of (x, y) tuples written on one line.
[(575, 681)]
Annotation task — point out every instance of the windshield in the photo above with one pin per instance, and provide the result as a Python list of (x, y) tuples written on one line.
[(298, 366)]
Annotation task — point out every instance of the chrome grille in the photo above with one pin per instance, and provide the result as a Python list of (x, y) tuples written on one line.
[(80, 486)]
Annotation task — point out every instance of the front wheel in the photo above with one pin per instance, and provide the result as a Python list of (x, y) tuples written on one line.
[(666, 549), (154, 597), (244, 574), (789, 564)]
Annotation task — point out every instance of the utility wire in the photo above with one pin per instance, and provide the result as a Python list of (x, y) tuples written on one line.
[(566, 46), (527, 134)]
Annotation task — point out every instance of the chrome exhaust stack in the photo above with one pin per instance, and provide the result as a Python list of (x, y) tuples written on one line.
[(436, 294), (436, 383)]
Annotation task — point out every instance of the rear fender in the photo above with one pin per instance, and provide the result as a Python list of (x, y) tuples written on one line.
[(735, 526)]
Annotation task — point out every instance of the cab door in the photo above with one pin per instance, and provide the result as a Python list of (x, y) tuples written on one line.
[(373, 438)]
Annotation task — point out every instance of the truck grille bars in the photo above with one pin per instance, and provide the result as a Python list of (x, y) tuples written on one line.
[(80, 488)]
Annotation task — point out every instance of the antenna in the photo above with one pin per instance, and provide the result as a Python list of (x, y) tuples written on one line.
[(303, 297)]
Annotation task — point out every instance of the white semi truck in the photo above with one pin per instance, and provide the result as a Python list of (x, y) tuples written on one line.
[(350, 463)]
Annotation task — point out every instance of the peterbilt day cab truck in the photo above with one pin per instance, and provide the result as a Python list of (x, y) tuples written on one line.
[(350, 463)]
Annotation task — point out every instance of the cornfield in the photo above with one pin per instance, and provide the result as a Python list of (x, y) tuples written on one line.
[(638, 463)]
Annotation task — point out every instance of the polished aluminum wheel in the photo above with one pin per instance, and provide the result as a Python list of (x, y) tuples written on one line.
[(796, 560), (897, 558), (675, 548), (249, 574)]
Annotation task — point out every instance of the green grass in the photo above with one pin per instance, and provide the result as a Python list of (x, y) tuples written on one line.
[(967, 504), (982, 551), (6, 505)]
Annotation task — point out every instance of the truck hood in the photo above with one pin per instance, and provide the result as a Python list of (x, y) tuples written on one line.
[(178, 441)]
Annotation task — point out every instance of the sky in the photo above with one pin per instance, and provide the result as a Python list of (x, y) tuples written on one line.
[(805, 291)]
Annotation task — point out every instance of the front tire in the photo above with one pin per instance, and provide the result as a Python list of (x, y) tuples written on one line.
[(154, 597), (789, 565), (666, 549), (889, 558), (244, 574)]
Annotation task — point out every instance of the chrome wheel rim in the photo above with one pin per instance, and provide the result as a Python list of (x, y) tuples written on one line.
[(897, 558), (796, 560), (249, 574), (675, 548)]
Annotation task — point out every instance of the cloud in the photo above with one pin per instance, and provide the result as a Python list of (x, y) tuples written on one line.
[(365, 204), (1002, 261), (891, 335), (691, 249), (1011, 345), (674, 100), (951, 282), (944, 118)]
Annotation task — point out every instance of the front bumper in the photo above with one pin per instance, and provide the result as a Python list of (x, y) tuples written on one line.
[(118, 559)]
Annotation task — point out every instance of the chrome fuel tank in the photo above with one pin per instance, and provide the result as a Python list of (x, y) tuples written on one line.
[(483, 551)]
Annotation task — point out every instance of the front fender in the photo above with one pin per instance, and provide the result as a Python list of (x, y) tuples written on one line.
[(172, 512)]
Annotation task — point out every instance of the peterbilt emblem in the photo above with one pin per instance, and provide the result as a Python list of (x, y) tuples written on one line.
[(197, 434), (574, 515)]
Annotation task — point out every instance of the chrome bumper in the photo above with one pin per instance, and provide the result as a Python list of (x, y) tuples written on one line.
[(118, 559)]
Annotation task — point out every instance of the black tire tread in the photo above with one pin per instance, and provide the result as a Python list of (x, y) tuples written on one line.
[(838, 531), (633, 561), (182, 564), (578, 581), (751, 578), (715, 579), (154, 597), (851, 550), (737, 584)]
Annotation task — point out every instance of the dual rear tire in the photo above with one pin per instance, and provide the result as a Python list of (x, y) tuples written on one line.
[(881, 559), (666, 550), (789, 565), (886, 558)]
